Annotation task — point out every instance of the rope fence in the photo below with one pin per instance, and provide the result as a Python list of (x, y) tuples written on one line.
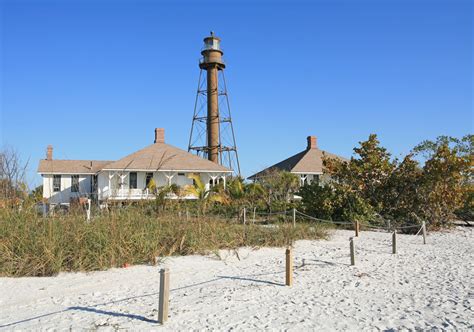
[(271, 213), (323, 220), (353, 223), (289, 259), (294, 213)]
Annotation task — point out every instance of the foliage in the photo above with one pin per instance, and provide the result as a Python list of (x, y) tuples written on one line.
[(464, 146), (237, 193), (445, 183), (366, 175), (466, 211), (12, 177), (278, 189), (152, 186), (35, 246), (37, 194), (162, 193), (372, 184), (198, 189), (403, 194), (334, 202), (205, 197)]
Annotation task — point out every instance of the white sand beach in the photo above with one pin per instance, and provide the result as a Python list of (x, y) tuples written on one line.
[(427, 287)]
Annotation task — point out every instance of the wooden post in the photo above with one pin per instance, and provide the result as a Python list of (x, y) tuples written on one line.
[(394, 241), (187, 214), (424, 232), (352, 249), (356, 227), (44, 209), (254, 213), (289, 267), (88, 210), (294, 217), (164, 296), (245, 216)]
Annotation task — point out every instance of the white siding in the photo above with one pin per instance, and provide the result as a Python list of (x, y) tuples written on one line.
[(65, 194)]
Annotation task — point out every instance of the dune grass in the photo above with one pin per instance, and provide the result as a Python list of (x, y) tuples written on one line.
[(32, 245)]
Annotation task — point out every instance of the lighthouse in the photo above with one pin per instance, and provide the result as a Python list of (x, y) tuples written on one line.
[(212, 133)]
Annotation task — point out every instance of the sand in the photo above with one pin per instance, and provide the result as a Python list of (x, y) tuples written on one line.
[(427, 287)]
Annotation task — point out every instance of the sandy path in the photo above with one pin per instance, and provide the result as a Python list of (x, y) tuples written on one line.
[(422, 286)]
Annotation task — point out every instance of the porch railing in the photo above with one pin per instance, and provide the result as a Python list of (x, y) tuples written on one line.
[(135, 194)]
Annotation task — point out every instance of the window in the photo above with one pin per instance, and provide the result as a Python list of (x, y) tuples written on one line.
[(56, 183), (133, 180), (94, 183), (74, 183), (316, 179), (148, 178)]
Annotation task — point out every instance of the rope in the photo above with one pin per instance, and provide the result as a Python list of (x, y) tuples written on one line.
[(374, 227), (323, 220), (350, 223), (406, 227), (421, 228), (417, 233), (270, 213)]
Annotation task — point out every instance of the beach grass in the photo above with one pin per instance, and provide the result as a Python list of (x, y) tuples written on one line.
[(33, 245)]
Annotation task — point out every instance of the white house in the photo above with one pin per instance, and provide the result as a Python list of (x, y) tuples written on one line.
[(307, 164), (126, 179)]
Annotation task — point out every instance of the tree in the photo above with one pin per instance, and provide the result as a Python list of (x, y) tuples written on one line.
[(235, 189), (37, 194), (162, 193), (446, 183), (367, 174), (448, 178), (279, 188), (335, 201), (403, 194), (12, 175), (254, 195), (464, 146), (203, 195), (239, 193)]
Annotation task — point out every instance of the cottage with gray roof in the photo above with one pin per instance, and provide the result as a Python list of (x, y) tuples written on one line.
[(307, 164)]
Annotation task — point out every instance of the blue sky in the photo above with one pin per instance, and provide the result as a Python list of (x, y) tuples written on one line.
[(94, 78)]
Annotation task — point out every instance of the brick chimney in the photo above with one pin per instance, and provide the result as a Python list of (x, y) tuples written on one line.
[(312, 142), (159, 135), (49, 152)]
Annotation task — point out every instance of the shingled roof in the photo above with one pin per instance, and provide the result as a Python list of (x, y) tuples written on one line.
[(165, 157), (56, 166), (158, 156), (309, 161), (161, 156)]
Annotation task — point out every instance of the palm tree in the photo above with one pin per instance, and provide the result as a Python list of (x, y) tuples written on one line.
[(198, 189), (203, 195), (162, 193), (236, 188)]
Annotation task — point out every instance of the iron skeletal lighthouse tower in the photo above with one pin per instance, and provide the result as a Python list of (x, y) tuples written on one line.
[(212, 134)]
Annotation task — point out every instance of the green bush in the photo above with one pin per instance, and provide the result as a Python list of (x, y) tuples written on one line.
[(335, 202)]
